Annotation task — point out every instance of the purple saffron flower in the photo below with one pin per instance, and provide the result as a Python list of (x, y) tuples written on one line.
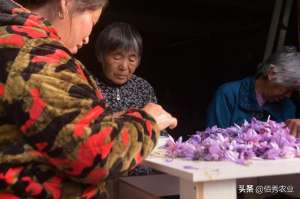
[(252, 140)]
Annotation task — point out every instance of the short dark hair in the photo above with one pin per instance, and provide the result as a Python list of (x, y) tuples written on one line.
[(80, 4), (118, 35)]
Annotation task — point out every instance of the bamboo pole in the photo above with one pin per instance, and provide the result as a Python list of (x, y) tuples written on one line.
[(273, 28)]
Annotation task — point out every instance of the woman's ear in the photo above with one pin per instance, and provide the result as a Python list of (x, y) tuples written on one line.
[(139, 61), (100, 58), (271, 72), (64, 8)]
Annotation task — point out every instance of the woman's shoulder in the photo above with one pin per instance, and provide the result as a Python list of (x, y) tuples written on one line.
[(140, 82), (20, 21), (233, 87)]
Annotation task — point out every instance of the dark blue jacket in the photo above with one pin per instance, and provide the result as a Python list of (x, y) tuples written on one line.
[(235, 102)]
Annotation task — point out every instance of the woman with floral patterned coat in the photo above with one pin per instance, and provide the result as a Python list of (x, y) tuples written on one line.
[(57, 137)]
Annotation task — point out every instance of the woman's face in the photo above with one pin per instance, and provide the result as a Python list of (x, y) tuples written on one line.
[(275, 93), (78, 28), (119, 65)]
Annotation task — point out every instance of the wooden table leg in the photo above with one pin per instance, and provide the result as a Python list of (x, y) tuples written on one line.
[(208, 190)]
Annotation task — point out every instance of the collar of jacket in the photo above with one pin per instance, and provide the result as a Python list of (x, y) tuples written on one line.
[(103, 81), (249, 102)]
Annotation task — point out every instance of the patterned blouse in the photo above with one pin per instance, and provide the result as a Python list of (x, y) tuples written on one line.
[(135, 93), (56, 134)]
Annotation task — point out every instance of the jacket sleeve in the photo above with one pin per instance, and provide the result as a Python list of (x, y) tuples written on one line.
[(220, 110), (63, 117)]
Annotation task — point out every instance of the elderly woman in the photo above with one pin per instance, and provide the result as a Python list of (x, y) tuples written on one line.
[(266, 95), (57, 138), (119, 49)]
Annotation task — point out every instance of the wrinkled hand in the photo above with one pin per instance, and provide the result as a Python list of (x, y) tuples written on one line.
[(163, 118), (294, 126)]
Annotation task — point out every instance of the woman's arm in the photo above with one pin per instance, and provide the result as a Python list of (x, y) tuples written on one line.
[(64, 120)]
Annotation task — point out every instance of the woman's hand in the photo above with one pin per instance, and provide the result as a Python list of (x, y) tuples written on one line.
[(294, 126), (162, 117)]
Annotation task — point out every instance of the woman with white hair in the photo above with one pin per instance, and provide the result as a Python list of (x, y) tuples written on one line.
[(262, 96)]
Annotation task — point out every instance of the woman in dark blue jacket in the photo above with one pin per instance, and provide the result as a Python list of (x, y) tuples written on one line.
[(265, 95)]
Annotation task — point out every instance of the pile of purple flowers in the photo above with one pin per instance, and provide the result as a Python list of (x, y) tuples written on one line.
[(252, 140)]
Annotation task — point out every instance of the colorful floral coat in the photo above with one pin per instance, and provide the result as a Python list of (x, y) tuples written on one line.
[(57, 137)]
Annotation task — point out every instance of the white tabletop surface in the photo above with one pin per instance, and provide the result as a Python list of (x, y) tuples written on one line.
[(202, 171)]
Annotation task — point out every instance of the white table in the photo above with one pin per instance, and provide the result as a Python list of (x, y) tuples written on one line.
[(215, 180)]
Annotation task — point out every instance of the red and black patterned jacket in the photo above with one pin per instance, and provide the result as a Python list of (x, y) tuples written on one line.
[(52, 113)]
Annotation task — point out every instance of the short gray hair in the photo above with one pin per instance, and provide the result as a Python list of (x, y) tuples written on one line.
[(286, 67), (118, 35)]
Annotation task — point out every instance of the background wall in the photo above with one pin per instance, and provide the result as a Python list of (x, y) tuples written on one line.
[(193, 46)]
